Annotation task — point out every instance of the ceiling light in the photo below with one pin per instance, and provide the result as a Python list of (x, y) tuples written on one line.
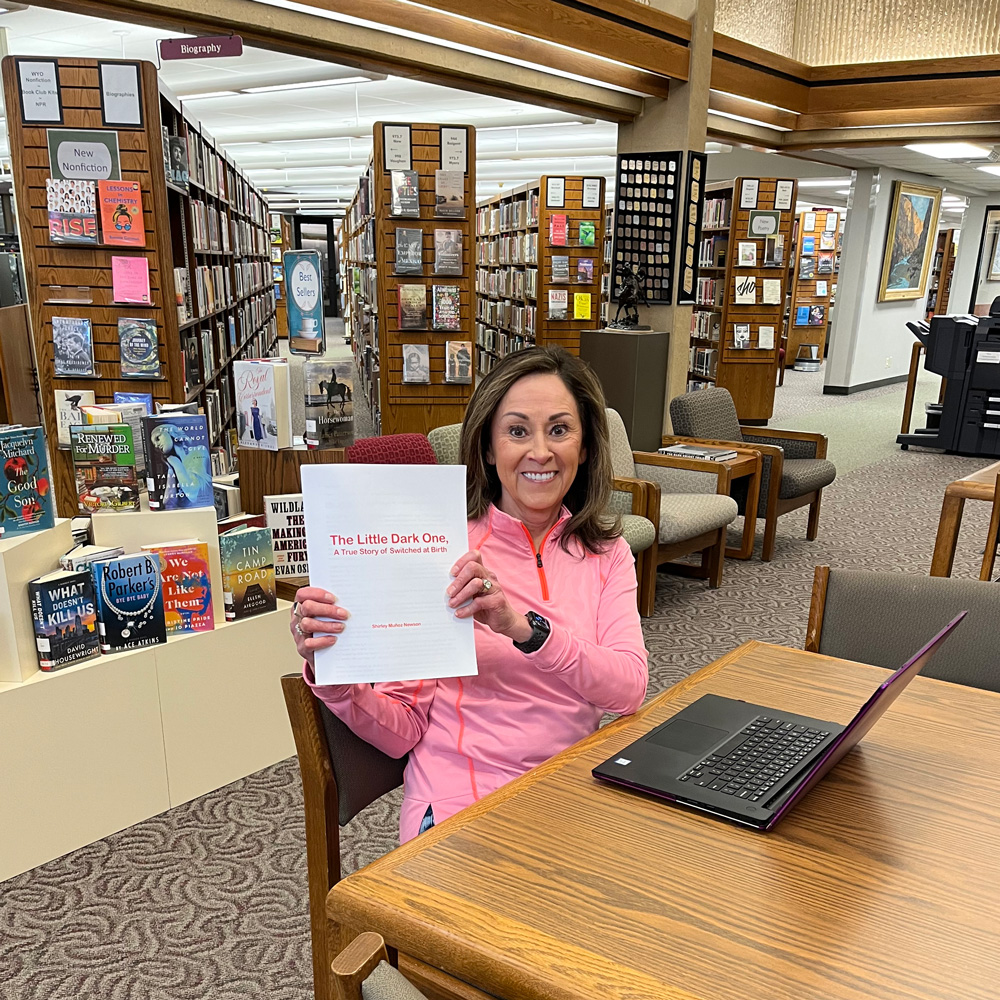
[(309, 84), (843, 191), (992, 169), (951, 150), (552, 124), (823, 182), (213, 93)]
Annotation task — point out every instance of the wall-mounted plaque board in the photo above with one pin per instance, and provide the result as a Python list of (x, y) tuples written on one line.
[(397, 145), (38, 85), (121, 94), (690, 226)]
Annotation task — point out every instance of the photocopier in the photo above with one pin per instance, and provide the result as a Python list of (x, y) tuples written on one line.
[(966, 351)]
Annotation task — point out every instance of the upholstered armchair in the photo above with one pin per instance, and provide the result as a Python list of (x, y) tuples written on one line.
[(795, 468)]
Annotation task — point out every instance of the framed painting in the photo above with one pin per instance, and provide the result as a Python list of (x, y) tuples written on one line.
[(995, 259), (910, 241)]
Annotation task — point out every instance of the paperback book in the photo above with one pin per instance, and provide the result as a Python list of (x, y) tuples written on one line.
[(447, 303), (458, 367), (558, 304), (26, 501), (72, 345), (585, 271), (807, 268), (560, 269), (187, 585), (329, 403), (409, 251), (416, 363), (179, 163), (104, 466), (287, 524), (247, 573), (72, 207), (447, 251), (263, 403), (449, 194), (121, 213), (802, 315), (587, 234), (412, 307), (405, 200), (558, 228), (581, 305), (227, 500), (138, 349), (182, 291), (129, 602), (68, 412), (817, 315), (64, 612), (178, 473), (824, 263), (774, 250)]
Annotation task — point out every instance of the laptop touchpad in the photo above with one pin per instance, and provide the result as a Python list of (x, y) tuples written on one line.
[(687, 737)]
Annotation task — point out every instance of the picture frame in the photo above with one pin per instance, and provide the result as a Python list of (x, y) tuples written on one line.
[(910, 241), (995, 258)]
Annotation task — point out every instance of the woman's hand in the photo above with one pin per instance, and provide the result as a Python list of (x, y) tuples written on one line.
[(487, 604), (307, 626)]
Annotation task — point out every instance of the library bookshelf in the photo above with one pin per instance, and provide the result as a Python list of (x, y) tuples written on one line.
[(813, 272)]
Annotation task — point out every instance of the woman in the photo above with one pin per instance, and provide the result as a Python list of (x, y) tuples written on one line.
[(547, 578)]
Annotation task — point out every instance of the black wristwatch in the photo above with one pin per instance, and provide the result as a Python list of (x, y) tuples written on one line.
[(540, 629)]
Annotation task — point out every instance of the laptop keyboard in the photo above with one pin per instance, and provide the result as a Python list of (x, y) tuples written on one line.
[(756, 759)]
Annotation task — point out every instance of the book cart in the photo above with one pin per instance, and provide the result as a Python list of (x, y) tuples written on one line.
[(102, 744), (515, 253), (813, 271), (737, 321), (373, 286)]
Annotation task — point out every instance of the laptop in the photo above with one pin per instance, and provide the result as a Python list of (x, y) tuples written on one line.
[(747, 763)]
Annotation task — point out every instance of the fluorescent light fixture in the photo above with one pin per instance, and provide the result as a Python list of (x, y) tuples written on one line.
[(552, 124), (308, 85), (211, 94), (823, 182), (993, 168), (747, 121), (843, 191), (951, 150)]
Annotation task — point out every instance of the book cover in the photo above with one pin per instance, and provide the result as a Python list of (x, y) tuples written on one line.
[(26, 501), (263, 404), (104, 465), (287, 524), (247, 572), (587, 234), (72, 207), (179, 163), (72, 345), (329, 403), (187, 586), (458, 367), (405, 200), (747, 254), (447, 251), (558, 304), (581, 305), (807, 268), (409, 251), (122, 224), (129, 602), (130, 280), (802, 316), (138, 349), (447, 312), (774, 250), (824, 263), (146, 398), (817, 315), (227, 500), (449, 194), (585, 271), (558, 227), (827, 241), (182, 294), (808, 244), (560, 269), (416, 363), (68, 412), (178, 464), (81, 556), (412, 307), (741, 336), (64, 611), (192, 362), (122, 413)]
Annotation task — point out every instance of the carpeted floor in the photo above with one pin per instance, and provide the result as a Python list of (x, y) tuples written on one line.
[(208, 900)]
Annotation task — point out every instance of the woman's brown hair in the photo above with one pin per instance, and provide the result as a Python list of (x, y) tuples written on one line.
[(591, 521)]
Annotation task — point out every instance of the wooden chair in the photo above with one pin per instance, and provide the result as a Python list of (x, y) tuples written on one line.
[(990, 554), (341, 774), (884, 618), (795, 468), (362, 969)]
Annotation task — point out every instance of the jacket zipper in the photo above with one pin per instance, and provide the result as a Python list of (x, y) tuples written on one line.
[(538, 559)]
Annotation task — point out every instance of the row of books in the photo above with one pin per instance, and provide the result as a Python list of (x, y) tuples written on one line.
[(715, 214), (712, 251), (705, 325), (709, 291), (206, 234), (213, 289), (250, 276), (449, 194), (446, 305), (521, 248), (500, 342), (704, 361), (458, 363), (508, 283), (249, 238), (507, 315), (695, 384), (562, 232), (508, 215), (138, 347), (409, 251), (361, 246), (361, 208)]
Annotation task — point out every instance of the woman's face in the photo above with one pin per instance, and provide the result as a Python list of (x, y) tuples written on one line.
[(536, 444)]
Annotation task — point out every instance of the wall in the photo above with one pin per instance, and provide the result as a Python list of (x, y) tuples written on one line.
[(967, 258), (866, 332), (769, 24)]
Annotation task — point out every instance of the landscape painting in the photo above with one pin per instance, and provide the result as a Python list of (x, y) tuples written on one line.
[(910, 242)]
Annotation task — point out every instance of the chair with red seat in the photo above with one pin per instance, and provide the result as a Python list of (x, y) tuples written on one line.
[(393, 449)]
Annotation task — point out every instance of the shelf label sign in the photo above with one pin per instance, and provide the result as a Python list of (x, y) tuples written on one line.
[(304, 302), (39, 87), (205, 47), (83, 154)]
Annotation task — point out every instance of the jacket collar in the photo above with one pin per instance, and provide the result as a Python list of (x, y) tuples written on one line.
[(515, 530)]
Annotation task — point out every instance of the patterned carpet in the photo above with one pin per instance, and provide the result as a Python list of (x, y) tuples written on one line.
[(208, 900)]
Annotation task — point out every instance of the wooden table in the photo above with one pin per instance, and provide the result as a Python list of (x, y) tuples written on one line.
[(979, 485), (881, 885)]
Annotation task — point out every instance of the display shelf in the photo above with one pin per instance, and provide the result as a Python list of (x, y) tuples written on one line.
[(942, 271), (816, 247)]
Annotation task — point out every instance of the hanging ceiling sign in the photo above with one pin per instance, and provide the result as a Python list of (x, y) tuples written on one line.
[(203, 47)]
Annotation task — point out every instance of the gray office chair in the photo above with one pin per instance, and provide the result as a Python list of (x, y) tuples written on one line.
[(884, 618)]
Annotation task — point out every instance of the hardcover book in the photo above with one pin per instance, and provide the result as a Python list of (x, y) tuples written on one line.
[(807, 268), (802, 315), (827, 241), (824, 263), (146, 398), (458, 366), (187, 586), (287, 524), (560, 269), (817, 315), (104, 465), (558, 304), (64, 611), (81, 556), (329, 403), (808, 244), (121, 213), (558, 227), (72, 345), (412, 307), (416, 363), (405, 200), (192, 362), (179, 163), (122, 413), (129, 602), (179, 467), (587, 234), (247, 572), (409, 251), (182, 291), (449, 194), (585, 271), (447, 251), (774, 250), (68, 412), (263, 403), (26, 502), (72, 207), (138, 349), (447, 304), (227, 500)]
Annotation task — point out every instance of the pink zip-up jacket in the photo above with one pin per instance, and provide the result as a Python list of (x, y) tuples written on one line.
[(467, 736)]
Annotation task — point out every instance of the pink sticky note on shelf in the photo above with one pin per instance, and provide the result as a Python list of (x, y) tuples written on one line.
[(130, 279)]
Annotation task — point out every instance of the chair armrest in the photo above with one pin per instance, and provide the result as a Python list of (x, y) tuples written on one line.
[(669, 439), (639, 488), (819, 440), (356, 963), (719, 469)]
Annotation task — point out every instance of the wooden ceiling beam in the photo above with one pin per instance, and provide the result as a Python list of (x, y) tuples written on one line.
[(958, 115), (730, 104)]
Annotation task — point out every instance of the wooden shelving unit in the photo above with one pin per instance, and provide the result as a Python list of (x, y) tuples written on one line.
[(369, 241), (942, 270), (169, 215), (748, 372), (514, 269), (280, 232), (808, 293)]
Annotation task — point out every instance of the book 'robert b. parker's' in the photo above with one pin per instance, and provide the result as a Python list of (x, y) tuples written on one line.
[(129, 602)]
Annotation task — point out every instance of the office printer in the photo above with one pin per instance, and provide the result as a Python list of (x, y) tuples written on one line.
[(966, 351)]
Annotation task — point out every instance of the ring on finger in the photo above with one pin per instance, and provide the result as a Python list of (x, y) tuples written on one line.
[(487, 586), (301, 631), (295, 610)]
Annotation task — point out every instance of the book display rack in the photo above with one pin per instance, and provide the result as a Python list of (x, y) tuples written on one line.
[(409, 242), (813, 268), (738, 316), (942, 270), (173, 285), (280, 232), (540, 261)]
